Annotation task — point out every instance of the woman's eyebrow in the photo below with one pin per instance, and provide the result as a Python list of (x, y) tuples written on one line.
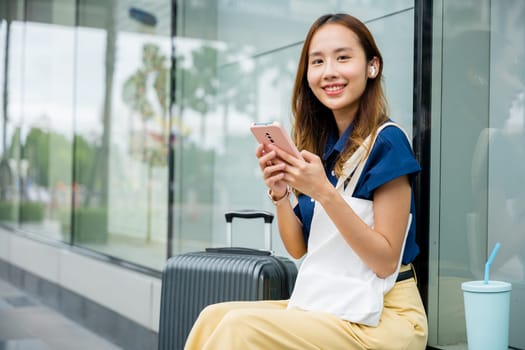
[(338, 50), (341, 49)]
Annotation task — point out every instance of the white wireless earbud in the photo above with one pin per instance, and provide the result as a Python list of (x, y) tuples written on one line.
[(372, 71)]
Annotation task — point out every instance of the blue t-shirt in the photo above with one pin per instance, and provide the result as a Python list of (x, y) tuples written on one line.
[(390, 158)]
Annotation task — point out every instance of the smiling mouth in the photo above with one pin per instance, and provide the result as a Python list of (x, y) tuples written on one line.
[(333, 89)]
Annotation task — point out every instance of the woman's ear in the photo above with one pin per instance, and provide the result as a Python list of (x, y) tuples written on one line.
[(373, 67)]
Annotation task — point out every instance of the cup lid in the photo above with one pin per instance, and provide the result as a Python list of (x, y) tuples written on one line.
[(490, 287)]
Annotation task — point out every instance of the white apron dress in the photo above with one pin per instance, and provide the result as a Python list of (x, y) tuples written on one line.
[(332, 278)]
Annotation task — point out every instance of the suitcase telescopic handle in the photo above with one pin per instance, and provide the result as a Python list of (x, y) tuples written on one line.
[(250, 214)]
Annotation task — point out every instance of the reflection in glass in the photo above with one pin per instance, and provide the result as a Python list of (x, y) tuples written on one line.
[(86, 124), (46, 132), (12, 42), (122, 100)]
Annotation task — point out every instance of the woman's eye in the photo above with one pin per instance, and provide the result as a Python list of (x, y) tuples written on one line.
[(316, 61), (343, 58)]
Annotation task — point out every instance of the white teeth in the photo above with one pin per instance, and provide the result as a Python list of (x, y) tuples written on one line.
[(333, 88)]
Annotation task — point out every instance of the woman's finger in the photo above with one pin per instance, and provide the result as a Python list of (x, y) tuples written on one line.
[(266, 159), (288, 158), (259, 152)]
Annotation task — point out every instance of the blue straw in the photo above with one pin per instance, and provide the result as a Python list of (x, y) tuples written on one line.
[(489, 262)]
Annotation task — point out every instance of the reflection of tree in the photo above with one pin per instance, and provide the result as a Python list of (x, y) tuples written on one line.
[(152, 74), (134, 92), (203, 90), (7, 176), (153, 146), (37, 151), (206, 87), (10, 157)]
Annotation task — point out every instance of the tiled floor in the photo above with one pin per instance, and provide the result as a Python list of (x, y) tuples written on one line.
[(26, 324)]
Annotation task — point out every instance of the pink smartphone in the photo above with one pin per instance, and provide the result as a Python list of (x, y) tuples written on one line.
[(273, 133)]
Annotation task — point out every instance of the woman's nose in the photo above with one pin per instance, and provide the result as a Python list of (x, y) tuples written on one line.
[(330, 70)]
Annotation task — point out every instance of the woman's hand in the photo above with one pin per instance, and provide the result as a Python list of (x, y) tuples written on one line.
[(272, 170), (306, 175)]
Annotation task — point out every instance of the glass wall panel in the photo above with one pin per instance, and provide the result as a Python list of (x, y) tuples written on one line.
[(6, 181), (12, 107), (85, 123), (478, 121), (46, 133), (235, 64), (503, 143), (122, 120)]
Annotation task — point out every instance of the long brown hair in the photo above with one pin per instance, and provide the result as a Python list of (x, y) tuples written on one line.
[(313, 121)]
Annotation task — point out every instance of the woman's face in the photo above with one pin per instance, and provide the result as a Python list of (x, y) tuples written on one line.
[(338, 69)]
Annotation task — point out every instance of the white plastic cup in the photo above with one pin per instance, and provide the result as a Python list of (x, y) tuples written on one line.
[(487, 307)]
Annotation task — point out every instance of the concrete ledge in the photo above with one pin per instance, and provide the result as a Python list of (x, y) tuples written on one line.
[(111, 325), (74, 283)]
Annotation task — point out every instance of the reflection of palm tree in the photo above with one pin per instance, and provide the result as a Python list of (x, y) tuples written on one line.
[(200, 83), (135, 95), (134, 92), (203, 90)]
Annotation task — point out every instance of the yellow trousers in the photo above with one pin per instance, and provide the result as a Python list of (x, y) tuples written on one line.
[(268, 325)]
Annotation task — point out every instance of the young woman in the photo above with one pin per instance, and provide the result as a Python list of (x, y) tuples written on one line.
[(352, 220)]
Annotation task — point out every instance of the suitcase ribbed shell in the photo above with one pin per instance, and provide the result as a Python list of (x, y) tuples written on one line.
[(193, 280)]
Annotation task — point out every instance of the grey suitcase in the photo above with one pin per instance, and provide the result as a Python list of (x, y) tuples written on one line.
[(192, 281)]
